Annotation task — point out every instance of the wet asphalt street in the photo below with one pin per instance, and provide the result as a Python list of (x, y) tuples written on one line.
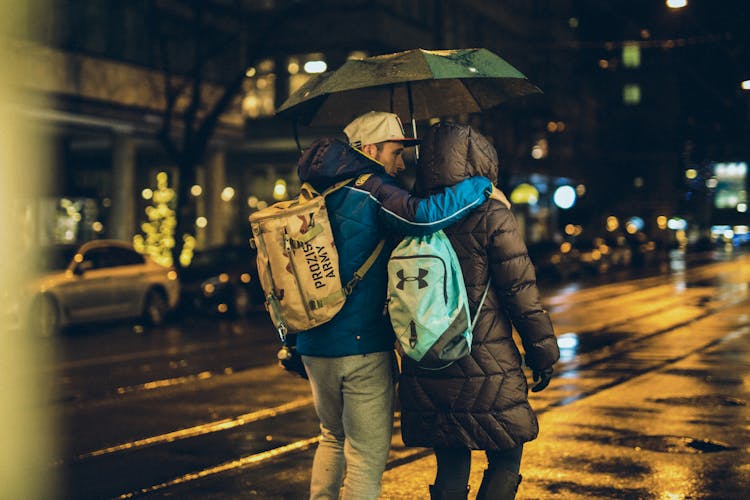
[(650, 400)]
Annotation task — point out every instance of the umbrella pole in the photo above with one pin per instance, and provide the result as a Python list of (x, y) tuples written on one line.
[(295, 129), (413, 121)]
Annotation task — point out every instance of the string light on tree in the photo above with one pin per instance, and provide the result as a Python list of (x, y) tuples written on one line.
[(157, 240)]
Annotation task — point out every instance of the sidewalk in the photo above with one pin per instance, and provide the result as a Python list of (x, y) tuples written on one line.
[(679, 432)]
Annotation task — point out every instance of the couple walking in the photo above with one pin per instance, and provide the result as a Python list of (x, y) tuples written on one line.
[(479, 402)]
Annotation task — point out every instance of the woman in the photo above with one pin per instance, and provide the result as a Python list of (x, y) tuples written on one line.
[(479, 402)]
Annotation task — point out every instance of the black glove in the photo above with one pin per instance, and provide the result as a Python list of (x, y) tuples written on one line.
[(291, 361), (542, 378)]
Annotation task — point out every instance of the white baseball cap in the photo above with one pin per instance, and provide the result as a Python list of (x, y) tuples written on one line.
[(377, 126)]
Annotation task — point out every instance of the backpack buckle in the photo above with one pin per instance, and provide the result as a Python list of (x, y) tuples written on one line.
[(282, 331), (352, 283)]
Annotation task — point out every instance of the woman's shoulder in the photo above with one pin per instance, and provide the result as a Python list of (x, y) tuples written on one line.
[(497, 213)]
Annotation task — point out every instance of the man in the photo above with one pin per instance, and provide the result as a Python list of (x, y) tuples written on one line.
[(382, 126), (350, 360)]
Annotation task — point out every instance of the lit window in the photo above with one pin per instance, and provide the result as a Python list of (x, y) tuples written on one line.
[(279, 190), (540, 149), (676, 4), (293, 66), (631, 94), (259, 88), (304, 65), (524, 193), (612, 223), (315, 67), (564, 197), (227, 193), (631, 55)]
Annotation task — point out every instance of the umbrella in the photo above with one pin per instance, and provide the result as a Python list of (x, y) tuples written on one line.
[(417, 83)]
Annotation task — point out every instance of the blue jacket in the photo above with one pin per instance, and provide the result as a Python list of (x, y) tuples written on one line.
[(367, 210)]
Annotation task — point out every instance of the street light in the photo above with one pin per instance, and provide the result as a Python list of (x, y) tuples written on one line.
[(676, 4), (315, 67), (564, 197)]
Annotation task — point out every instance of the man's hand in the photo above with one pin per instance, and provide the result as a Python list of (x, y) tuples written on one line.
[(499, 196), (542, 378)]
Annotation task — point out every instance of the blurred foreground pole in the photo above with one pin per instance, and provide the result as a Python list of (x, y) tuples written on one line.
[(25, 424)]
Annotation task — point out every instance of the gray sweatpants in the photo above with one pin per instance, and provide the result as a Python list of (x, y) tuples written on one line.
[(354, 398)]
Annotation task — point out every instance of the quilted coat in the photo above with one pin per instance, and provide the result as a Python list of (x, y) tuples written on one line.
[(480, 401)]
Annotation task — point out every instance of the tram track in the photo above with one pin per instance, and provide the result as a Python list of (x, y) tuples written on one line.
[(703, 305)]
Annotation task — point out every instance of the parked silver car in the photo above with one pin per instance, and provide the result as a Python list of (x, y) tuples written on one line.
[(101, 280)]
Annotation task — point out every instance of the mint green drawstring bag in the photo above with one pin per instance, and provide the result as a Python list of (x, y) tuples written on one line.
[(427, 301)]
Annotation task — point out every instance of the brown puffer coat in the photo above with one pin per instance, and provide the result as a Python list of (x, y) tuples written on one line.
[(480, 401)]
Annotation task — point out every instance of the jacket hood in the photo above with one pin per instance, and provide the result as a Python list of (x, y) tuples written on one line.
[(452, 152), (328, 161)]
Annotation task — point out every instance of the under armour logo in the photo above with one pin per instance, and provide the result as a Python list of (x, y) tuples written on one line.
[(421, 282)]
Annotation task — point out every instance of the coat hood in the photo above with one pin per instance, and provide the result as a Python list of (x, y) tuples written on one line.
[(452, 152), (328, 161)]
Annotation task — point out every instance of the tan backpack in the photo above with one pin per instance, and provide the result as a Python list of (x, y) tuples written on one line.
[(298, 265)]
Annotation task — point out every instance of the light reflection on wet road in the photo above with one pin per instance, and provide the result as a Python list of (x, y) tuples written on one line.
[(649, 401)]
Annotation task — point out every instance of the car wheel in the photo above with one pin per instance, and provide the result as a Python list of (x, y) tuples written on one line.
[(155, 307), (241, 301), (45, 317)]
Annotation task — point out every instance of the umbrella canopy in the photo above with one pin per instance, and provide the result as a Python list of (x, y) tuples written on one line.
[(416, 84)]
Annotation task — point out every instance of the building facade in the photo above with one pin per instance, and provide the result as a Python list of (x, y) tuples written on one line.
[(120, 81)]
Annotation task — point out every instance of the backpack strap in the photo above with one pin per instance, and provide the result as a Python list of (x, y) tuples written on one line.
[(347, 289), (336, 187), (308, 193), (359, 274), (271, 299), (481, 303)]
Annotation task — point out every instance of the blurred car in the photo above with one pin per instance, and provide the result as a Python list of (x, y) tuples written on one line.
[(554, 260), (101, 280), (222, 280)]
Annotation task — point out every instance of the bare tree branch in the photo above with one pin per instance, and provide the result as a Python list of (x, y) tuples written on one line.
[(210, 31)]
